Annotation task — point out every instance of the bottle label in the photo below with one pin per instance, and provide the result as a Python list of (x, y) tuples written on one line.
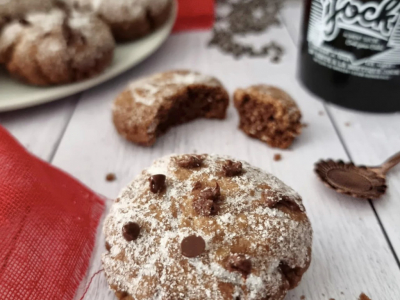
[(357, 37)]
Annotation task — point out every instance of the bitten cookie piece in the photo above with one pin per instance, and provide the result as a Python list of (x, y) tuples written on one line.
[(150, 106), (56, 47), (129, 19), (202, 227), (268, 114)]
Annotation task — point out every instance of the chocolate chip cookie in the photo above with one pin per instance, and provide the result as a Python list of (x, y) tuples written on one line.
[(194, 227)]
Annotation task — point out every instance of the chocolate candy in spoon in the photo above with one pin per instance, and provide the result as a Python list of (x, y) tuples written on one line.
[(356, 181)]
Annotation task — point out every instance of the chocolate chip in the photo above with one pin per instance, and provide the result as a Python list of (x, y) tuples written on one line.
[(211, 193), (232, 168), (204, 207), (204, 202), (24, 22), (277, 157), (288, 203), (131, 231), (190, 161), (111, 177), (108, 247), (272, 200), (197, 186), (193, 246), (292, 275), (157, 183), (239, 263)]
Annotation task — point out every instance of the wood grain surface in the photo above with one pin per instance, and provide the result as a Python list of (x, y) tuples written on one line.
[(353, 239)]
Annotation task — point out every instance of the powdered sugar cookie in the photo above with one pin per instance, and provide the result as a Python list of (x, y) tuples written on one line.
[(150, 106), (129, 19), (206, 227), (56, 47)]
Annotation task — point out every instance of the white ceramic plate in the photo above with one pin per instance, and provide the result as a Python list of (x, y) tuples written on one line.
[(14, 94)]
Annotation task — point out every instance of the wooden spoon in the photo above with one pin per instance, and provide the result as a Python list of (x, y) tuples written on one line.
[(356, 181)]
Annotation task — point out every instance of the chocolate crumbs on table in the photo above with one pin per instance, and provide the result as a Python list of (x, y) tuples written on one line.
[(111, 177), (277, 157), (363, 297)]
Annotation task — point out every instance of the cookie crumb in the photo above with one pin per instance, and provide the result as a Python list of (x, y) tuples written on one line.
[(363, 297), (321, 113), (347, 124), (277, 157), (304, 125), (111, 177), (303, 297)]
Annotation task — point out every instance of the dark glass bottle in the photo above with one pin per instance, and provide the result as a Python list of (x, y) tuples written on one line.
[(350, 53)]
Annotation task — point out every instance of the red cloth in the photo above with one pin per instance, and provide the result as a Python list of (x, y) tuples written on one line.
[(48, 224), (194, 14)]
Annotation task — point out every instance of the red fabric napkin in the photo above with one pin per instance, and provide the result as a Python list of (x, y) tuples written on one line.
[(194, 14), (48, 224)]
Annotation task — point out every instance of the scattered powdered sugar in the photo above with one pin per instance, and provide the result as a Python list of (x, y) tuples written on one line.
[(159, 86), (152, 267)]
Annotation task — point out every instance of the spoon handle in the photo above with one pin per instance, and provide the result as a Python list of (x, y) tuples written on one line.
[(390, 163)]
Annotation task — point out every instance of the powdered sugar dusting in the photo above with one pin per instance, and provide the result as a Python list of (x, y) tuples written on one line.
[(159, 86), (67, 42), (152, 267)]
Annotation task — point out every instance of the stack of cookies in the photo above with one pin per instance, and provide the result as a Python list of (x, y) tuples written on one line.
[(51, 42)]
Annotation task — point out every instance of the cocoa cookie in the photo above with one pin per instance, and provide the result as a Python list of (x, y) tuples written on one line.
[(206, 234), (268, 114), (16, 9), (56, 47), (129, 19), (150, 106)]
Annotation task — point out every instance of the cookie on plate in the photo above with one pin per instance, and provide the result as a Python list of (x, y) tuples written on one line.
[(11, 10), (268, 114), (150, 106), (194, 227), (129, 19), (56, 47)]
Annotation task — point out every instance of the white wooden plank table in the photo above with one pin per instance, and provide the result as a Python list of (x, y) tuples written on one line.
[(355, 242)]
